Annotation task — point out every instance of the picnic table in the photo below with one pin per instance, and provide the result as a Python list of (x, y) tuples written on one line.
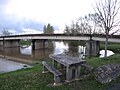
[(72, 64)]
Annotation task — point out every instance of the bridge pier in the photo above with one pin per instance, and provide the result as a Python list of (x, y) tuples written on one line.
[(92, 48), (11, 43), (1, 43), (39, 44)]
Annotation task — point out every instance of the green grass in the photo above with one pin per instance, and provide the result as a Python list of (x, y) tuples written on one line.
[(33, 79), (115, 47), (23, 42), (95, 62)]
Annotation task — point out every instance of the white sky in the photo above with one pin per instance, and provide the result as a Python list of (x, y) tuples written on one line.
[(56, 12)]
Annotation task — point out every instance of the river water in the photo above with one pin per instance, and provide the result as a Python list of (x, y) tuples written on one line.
[(29, 56)]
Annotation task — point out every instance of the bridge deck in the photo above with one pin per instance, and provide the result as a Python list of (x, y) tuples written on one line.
[(96, 37)]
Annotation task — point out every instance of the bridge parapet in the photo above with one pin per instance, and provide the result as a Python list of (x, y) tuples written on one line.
[(96, 37)]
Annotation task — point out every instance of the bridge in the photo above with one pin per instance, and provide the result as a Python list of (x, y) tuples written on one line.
[(40, 40), (95, 37)]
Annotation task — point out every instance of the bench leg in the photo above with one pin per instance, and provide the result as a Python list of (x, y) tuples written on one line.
[(57, 80), (68, 73), (77, 72), (44, 70), (54, 64), (61, 66)]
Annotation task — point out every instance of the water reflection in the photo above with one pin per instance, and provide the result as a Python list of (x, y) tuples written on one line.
[(109, 53), (27, 55), (26, 50), (81, 50), (60, 47)]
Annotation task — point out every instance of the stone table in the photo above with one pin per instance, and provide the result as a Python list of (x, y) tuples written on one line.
[(72, 65)]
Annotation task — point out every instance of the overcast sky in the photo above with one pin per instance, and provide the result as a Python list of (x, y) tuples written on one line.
[(22, 14)]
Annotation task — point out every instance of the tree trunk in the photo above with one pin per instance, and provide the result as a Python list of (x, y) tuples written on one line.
[(106, 45)]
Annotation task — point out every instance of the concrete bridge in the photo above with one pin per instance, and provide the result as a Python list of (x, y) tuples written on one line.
[(40, 40), (96, 37)]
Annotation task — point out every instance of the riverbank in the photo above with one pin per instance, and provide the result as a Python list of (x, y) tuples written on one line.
[(8, 66), (33, 79), (115, 47)]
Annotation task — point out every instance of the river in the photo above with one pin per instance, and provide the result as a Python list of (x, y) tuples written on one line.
[(29, 56)]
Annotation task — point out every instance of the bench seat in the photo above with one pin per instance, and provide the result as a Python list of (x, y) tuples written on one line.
[(53, 70), (87, 67)]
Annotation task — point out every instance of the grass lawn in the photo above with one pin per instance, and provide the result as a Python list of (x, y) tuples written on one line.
[(115, 47), (33, 79)]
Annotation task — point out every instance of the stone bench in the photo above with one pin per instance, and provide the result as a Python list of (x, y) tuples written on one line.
[(57, 74)]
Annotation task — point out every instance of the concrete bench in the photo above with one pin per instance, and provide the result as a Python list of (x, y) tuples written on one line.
[(57, 74)]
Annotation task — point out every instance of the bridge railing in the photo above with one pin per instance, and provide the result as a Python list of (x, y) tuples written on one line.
[(83, 35)]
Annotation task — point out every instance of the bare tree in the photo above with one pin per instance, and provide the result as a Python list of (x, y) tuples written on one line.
[(96, 27), (106, 12), (5, 32), (81, 26), (72, 29)]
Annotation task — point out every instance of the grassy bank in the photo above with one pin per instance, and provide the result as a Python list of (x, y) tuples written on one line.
[(115, 47), (23, 42), (33, 79)]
